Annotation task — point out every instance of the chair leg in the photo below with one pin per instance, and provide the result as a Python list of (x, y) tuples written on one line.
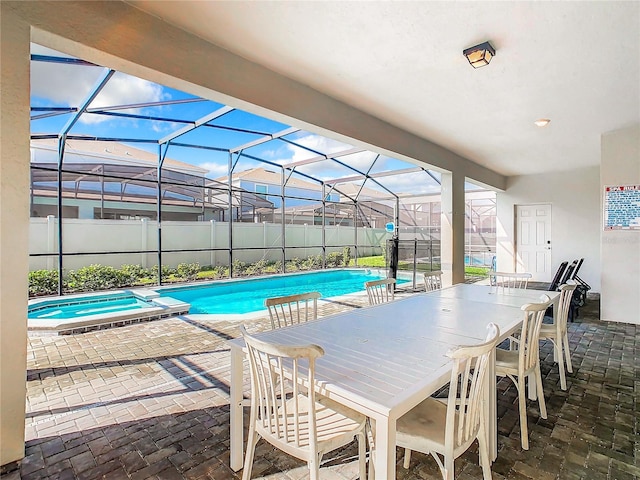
[(522, 406), (448, 472), (252, 440), (407, 458), (484, 454), (557, 347), (372, 449), (543, 406), (314, 467), (566, 352), (362, 455)]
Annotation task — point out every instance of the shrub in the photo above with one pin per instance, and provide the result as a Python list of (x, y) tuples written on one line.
[(166, 272), (334, 259), (43, 282), (294, 265), (188, 271), (346, 256), (257, 268), (136, 273), (222, 271), (274, 267), (97, 277), (314, 262), (239, 267)]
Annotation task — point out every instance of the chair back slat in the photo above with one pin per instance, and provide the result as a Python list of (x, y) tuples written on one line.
[(433, 280), (280, 373), (467, 389), (528, 349), (506, 281), (566, 294), (292, 309), (380, 291)]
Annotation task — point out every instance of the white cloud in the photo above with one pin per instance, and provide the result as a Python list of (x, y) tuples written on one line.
[(70, 85), (326, 170), (215, 169), (415, 183)]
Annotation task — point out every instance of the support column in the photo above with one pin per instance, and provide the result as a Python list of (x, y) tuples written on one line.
[(14, 232), (51, 241), (452, 228), (212, 243), (144, 240)]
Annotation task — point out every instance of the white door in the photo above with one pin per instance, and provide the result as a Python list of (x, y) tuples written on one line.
[(533, 247)]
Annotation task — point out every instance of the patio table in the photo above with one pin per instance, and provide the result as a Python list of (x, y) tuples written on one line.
[(385, 359)]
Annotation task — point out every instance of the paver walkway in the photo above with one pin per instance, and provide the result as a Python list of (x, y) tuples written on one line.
[(152, 401)]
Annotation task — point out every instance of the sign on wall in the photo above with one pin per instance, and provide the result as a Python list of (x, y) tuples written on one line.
[(622, 207)]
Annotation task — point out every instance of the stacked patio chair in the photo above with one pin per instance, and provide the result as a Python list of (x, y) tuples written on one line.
[(580, 294)]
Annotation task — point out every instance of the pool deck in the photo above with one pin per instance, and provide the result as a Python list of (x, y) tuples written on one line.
[(151, 400)]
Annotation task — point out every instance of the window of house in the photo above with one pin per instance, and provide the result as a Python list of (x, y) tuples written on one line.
[(261, 190)]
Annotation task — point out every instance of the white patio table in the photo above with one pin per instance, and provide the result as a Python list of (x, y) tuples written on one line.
[(385, 359)]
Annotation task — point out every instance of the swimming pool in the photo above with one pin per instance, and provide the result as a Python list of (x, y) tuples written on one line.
[(245, 296), (86, 307), (233, 299), (86, 312)]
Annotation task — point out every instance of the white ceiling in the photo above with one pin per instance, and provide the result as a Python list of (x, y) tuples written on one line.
[(577, 63)]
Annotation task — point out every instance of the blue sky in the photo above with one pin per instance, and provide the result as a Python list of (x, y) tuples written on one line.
[(63, 85)]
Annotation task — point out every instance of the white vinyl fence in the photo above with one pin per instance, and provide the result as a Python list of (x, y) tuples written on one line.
[(97, 237)]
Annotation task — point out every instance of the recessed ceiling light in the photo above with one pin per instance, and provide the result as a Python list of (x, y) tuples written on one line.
[(542, 122)]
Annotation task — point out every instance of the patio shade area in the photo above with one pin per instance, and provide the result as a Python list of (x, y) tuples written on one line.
[(152, 401)]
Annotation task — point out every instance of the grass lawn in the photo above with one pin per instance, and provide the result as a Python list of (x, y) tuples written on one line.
[(379, 262)]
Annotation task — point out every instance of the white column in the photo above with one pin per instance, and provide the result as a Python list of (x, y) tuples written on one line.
[(212, 242), (14, 231), (51, 241), (264, 234), (144, 240), (620, 250), (452, 228)]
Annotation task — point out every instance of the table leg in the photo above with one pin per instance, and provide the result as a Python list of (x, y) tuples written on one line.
[(385, 454), (235, 413)]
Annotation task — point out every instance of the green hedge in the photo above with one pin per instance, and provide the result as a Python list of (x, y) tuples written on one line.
[(102, 277)]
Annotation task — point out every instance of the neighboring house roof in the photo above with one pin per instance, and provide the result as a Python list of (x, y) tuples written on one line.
[(352, 189), (270, 177), (97, 151)]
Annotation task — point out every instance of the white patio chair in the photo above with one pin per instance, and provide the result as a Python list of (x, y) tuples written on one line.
[(292, 309), (448, 429), (517, 364), (296, 423), (506, 281), (433, 280), (380, 291), (557, 333)]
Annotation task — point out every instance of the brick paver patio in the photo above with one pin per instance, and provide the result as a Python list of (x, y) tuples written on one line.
[(152, 401)]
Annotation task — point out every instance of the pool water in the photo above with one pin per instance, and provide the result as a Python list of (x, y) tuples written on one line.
[(85, 308), (249, 295)]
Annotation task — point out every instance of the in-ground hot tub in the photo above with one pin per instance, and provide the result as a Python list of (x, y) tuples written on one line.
[(84, 313)]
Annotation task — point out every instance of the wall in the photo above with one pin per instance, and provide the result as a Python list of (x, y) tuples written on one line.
[(14, 218), (575, 218), (83, 235), (620, 300)]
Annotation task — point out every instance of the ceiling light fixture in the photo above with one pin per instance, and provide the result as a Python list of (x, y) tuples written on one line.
[(542, 122), (480, 55)]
